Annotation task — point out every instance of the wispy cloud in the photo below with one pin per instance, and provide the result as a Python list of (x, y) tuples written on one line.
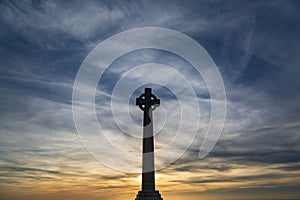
[(255, 46)]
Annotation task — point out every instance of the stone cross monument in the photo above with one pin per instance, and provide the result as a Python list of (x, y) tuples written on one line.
[(147, 103)]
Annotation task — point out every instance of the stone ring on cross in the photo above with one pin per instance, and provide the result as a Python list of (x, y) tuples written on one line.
[(147, 101)]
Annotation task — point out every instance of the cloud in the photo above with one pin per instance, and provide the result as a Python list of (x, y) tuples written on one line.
[(55, 20), (255, 46)]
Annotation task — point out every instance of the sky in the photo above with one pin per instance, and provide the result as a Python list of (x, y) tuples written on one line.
[(255, 47)]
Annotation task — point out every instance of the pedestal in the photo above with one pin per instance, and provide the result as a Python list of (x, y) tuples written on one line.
[(148, 195)]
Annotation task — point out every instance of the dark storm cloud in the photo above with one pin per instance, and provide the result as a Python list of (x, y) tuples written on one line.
[(290, 167), (268, 146), (192, 167), (26, 169), (262, 157), (199, 180)]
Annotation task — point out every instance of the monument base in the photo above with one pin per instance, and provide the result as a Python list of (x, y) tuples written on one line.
[(148, 195)]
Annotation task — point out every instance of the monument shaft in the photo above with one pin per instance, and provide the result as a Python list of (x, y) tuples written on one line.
[(148, 102), (148, 175)]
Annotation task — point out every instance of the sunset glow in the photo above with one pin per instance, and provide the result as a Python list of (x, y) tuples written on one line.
[(50, 149)]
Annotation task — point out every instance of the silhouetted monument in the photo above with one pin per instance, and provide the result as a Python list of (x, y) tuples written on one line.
[(148, 102)]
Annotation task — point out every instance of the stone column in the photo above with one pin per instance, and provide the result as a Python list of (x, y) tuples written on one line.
[(148, 102)]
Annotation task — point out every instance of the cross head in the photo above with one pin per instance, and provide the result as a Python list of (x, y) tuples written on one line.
[(147, 100)]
